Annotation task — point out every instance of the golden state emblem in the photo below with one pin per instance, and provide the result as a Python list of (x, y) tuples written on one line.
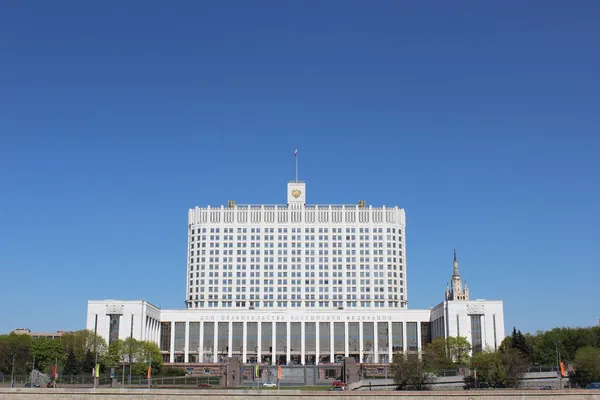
[(296, 193)]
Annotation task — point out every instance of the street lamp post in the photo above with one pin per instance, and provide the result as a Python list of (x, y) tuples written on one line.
[(123, 380), (12, 374)]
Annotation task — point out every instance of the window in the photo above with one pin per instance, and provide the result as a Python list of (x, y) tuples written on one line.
[(476, 333), (114, 328), (165, 336)]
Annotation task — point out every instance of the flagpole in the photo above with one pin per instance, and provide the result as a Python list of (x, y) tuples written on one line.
[(296, 165)]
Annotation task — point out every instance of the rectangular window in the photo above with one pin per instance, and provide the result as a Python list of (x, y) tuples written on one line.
[(476, 333), (310, 336), (237, 339), (208, 344), (425, 334), (179, 337), (266, 337), (368, 339), (383, 337), (165, 336), (114, 328), (295, 337), (223, 338), (397, 339), (324, 338), (339, 336), (281, 335), (194, 336), (411, 336), (252, 337), (353, 337)]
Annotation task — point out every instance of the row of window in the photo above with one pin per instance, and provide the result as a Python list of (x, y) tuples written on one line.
[(294, 238), (295, 230), (284, 303)]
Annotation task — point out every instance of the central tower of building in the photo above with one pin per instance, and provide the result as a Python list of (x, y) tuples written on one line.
[(296, 255)]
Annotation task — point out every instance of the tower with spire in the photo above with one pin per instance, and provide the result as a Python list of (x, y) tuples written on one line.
[(456, 291)]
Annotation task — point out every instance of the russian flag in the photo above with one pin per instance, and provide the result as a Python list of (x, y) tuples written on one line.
[(296, 153)]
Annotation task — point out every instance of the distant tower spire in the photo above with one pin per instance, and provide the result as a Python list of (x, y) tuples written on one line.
[(456, 292), (455, 273)]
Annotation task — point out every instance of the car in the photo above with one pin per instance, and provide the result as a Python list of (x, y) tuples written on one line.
[(337, 389), (204, 385), (32, 385), (593, 385), (339, 384), (269, 384)]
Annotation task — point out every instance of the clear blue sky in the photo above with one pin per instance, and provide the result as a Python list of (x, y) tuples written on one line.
[(481, 119)]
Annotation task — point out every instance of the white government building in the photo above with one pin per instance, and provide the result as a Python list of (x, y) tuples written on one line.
[(298, 284)]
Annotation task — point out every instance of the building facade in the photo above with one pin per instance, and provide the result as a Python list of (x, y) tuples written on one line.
[(298, 284), (37, 335)]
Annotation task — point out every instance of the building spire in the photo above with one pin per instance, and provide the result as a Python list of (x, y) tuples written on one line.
[(455, 273)]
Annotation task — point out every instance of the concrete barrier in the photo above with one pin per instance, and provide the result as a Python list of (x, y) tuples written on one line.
[(215, 394)]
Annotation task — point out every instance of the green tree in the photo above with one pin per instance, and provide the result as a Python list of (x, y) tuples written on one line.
[(436, 355), (133, 350), (47, 351), (152, 352), (72, 365), (88, 364), (587, 366), (458, 349), (519, 342), (496, 369), (411, 374), (82, 341), (447, 353), (19, 346), (566, 341), (115, 354)]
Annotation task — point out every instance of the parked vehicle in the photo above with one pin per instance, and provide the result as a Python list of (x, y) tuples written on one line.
[(32, 385), (269, 384), (204, 385), (593, 385), (339, 384), (337, 389)]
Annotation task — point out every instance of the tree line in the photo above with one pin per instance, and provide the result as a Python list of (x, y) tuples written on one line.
[(76, 353), (505, 367)]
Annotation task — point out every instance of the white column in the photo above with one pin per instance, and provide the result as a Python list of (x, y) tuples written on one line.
[(389, 340), (331, 342), (484, 342), (288, 342), (302, 342), (419, 339), (317, 343), (361, 340), (186, 349), (258, 341), (244, 341), (346, 347), (201, 345), (273, 342), (375, 342), (172, 341), (230, 339), (215, 341)]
